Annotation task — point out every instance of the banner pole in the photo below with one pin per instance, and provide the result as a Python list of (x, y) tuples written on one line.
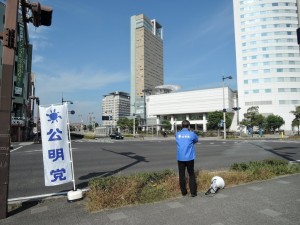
[(75, 194), (70, 149)]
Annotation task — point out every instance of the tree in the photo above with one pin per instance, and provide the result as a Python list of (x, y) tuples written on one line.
[(274, 122), (90, 127), (124, 123), (252, 118), (261, 121), (214, 119), (166, 125), (296, 121)]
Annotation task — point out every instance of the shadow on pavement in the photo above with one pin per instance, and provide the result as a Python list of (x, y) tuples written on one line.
[(24, 206), (276, 151), (131, 155)]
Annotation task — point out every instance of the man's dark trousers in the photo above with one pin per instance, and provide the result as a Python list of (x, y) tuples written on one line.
[(192, 179)]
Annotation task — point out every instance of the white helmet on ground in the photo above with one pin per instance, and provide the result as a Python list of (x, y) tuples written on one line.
[(217, 183)]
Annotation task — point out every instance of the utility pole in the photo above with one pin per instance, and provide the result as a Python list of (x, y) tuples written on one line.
[(8, 61), (41, 16), (224, 109)]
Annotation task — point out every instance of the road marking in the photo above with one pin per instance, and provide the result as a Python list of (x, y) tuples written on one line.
[(40, 150), (26, 143), (16, 149)]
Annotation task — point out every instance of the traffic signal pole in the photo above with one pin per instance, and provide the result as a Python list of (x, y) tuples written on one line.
[(6, 90)]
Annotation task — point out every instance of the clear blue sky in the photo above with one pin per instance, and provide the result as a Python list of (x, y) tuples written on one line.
[(85, 53)]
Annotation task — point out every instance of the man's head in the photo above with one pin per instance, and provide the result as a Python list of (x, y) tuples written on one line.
[(185, 124)]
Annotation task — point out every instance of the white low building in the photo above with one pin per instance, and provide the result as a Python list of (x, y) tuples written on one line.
[(191, 105)]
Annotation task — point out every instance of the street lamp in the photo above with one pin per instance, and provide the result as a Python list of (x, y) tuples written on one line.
[(92, 120), (146, 91), (133, 115), (224, 109), (38, 125)]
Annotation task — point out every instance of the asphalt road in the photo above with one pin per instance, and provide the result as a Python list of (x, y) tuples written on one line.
[(106, 158)]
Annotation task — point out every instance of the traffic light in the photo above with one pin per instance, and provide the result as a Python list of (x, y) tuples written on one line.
[(9, 38), (41, 15)]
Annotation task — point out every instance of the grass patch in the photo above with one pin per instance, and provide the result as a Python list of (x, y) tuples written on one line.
[(295, 137), (89, 136), (119, 191)]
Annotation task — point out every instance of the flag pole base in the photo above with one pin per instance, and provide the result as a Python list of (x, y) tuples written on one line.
[(74, 195)]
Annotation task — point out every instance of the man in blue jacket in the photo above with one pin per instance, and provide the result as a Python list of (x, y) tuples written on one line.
[(185, 140)]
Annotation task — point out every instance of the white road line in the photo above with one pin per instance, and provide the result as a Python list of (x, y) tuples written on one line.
[(40, 150), (16, 149)]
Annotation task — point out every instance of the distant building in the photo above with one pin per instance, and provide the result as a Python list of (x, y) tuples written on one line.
[(267, 56), (146, 60), (115, 105), (191, 105)]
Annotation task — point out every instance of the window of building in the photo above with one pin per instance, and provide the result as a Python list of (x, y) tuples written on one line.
[(294, 89), (267, 80), (180, 117), (196, 116)]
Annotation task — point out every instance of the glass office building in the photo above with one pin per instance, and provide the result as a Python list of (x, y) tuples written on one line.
[(267, 56)]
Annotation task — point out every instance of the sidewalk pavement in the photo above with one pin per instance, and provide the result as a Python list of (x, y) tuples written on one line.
[(271, 202)]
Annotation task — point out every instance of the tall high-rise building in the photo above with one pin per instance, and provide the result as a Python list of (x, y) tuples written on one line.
[(146, 60), (115, 106), (267, 56)]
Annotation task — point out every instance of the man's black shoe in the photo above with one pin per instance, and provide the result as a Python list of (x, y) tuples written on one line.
[(193, 195)]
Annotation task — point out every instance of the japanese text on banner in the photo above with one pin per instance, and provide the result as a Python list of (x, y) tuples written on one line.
[(56, 154)]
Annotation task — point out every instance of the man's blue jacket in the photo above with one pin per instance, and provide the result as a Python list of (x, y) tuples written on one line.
[(185, 141)]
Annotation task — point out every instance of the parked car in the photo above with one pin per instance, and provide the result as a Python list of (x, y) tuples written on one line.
[(116, 135)]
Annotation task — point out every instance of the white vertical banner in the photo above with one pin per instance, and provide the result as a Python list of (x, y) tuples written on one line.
[(56, 152)]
